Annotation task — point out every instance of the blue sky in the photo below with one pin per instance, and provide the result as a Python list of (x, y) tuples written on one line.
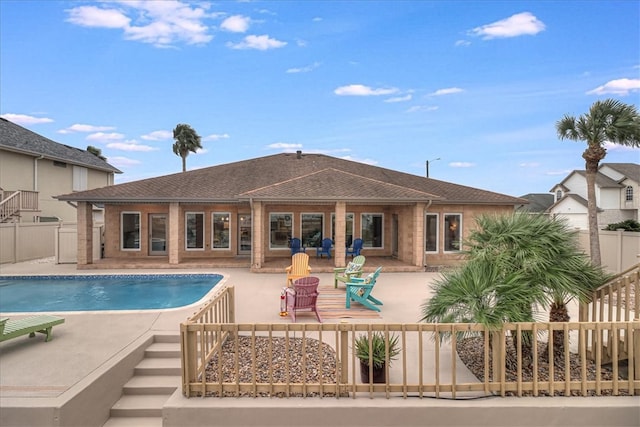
[(477, 85)]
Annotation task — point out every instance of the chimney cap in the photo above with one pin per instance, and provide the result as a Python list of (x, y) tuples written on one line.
[(299, 154)]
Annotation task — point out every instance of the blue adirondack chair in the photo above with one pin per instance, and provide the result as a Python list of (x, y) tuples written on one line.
[(325, 249), (357, 247), (296, 246), (359, 290)]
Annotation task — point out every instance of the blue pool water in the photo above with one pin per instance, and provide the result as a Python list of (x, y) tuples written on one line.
[(102, 292)]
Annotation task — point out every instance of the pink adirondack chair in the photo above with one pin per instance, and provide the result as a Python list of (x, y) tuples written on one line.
[(303, 297)]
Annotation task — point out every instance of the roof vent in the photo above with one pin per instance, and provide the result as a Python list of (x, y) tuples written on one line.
[(299, 154)]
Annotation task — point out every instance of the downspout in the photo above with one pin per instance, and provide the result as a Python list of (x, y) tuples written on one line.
[(424, 236), (252, 235)]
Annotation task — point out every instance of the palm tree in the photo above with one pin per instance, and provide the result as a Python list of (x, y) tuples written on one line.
[(187, 140), (607, 121), (515, 263)]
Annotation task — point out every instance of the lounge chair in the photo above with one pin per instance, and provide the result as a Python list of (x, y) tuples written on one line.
[(325, 249), (303, 297), (12, 328), (353, 269), (299, 268), (357, 247), (359, 290), (296, 246)]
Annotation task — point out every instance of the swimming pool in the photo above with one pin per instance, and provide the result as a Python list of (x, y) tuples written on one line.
[(103, 292)]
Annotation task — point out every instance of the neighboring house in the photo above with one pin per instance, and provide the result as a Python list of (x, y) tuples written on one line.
[(33, 169), (617, 195), (538, 202), (254, 207)]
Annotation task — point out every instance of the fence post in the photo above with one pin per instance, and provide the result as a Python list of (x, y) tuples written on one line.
[(343, 327), (497, 364)]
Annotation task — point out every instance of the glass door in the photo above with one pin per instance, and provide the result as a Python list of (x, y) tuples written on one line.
[(244, 233), (157, 234)]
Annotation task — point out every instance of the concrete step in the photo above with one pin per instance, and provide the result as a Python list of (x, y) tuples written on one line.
[(134, 422), (139, 406), (152, 384), (159, 366), (163, 349), (166, 338)]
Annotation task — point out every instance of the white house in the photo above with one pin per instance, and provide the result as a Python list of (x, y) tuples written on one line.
[(617, 195)]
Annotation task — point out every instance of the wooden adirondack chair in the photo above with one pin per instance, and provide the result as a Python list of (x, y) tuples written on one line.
[(353, 269), (359, 290), (299, 268), (12, 328), (303, 297)]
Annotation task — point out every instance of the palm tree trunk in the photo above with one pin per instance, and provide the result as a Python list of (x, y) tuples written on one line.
[(558, 313), (592, 156), (184, 163)]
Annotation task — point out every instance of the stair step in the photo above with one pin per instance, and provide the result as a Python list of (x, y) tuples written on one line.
[(134, 422), (166, 338), (163, 349), (152, 384), (139, 406), (159, 366)]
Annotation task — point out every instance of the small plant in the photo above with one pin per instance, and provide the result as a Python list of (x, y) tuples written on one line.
[(378, 351), (627, 225)]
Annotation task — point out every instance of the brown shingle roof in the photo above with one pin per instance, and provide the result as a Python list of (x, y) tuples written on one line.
[(290, 176)]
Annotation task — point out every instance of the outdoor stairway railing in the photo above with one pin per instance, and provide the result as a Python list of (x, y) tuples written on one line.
[(426, 366), (14, 202)]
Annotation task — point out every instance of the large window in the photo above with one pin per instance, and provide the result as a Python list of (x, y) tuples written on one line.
[(221, 229), (452, 232), (371, 227), (312, 229), (629, 194), (130, 230), (431, 238), (79, 178), (348, 238), (280, 229), (194, 230)]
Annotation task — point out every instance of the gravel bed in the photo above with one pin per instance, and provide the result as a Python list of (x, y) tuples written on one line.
[(471, 352)]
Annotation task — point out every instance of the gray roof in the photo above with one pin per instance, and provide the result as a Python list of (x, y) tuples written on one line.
[(629, 170), (292, 177), (538, 202), (20, 140)]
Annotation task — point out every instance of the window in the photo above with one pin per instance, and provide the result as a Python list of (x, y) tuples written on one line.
[(194, 230), (348, 238), (431, 239), (452, 232), (130, 231), (371, 227), (280, 229), (558, 195), (221, 229), (629, 194), (312, 229), (79, 178)]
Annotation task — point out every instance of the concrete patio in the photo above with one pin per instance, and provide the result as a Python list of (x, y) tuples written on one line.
[(35, 374)]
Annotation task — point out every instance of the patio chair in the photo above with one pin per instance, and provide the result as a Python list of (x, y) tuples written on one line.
[(303, 297), (12, 328), (357, 247), (325, 248), (353, 269), (299, 268), (359, 290), (296, 246)]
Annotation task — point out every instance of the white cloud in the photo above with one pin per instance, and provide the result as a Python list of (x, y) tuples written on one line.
[(216, 137), (130, 146), (620, 87), (284, 146), (23, 119), (610, 146), (461, 164), (556, 173), (361, 90), (263, 42), (516, 25), (365, 161), (161, 23), (529, 164), (104, 137), (236, 24), (462, 43), (405, 98), (306, 69), (447, 91), (85, 128), (317, 19), (120, 162), (158, 135), (418, 108)]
